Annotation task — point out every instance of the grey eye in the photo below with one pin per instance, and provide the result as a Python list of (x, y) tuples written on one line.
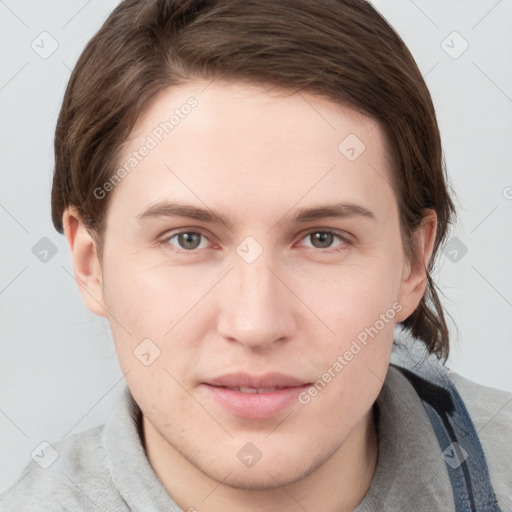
[(188, 240), (321, 239)]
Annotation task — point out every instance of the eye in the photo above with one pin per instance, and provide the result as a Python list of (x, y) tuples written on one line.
[(325, 239), (187, 240)]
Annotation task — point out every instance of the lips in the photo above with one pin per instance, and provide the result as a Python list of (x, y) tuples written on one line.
[(267, 381), (254, 397)]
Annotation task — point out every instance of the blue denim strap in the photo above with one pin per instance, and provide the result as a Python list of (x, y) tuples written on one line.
[(458, 439)]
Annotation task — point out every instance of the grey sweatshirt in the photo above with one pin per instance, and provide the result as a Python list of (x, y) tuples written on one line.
[(106, 469)]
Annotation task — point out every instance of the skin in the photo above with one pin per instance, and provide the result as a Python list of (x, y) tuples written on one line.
[(256, 156)]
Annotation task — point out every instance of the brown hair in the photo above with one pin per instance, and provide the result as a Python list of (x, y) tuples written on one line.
[(343, 50)]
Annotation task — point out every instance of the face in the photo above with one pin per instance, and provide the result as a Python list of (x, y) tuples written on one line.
[(253, 273)]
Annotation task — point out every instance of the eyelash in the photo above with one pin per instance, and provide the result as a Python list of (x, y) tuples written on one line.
[(340, 237)]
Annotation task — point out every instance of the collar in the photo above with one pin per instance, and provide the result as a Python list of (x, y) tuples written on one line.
[(411, 473), (130, 470)]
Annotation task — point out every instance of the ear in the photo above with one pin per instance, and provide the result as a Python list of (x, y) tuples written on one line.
[(414, 276), (86, 265)]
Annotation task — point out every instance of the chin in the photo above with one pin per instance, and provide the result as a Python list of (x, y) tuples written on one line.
[(272, 471), (265, 478)]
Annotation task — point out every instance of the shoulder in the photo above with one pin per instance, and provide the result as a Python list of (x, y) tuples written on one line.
[(71, 474), (491, 412)]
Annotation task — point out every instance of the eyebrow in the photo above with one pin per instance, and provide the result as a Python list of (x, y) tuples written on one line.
[(302, 215)]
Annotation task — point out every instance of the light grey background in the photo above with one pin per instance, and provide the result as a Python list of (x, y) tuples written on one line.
[(59, 373)]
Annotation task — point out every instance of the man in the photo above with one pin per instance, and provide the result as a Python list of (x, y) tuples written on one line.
[(253, 195)]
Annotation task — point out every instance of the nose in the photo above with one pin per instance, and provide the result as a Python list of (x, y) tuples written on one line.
[(256, 308)]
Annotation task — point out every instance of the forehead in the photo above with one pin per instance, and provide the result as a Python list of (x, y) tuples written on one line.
[(240, 144)]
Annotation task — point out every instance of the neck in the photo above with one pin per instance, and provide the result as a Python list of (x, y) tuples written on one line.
[(349, 471)]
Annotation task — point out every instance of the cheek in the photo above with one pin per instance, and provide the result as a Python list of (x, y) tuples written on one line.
[(359, 305), (142, 295), (353, 296), (351, 369), (150, 309)]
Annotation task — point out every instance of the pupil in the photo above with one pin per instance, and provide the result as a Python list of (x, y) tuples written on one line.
[(322, 237)]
